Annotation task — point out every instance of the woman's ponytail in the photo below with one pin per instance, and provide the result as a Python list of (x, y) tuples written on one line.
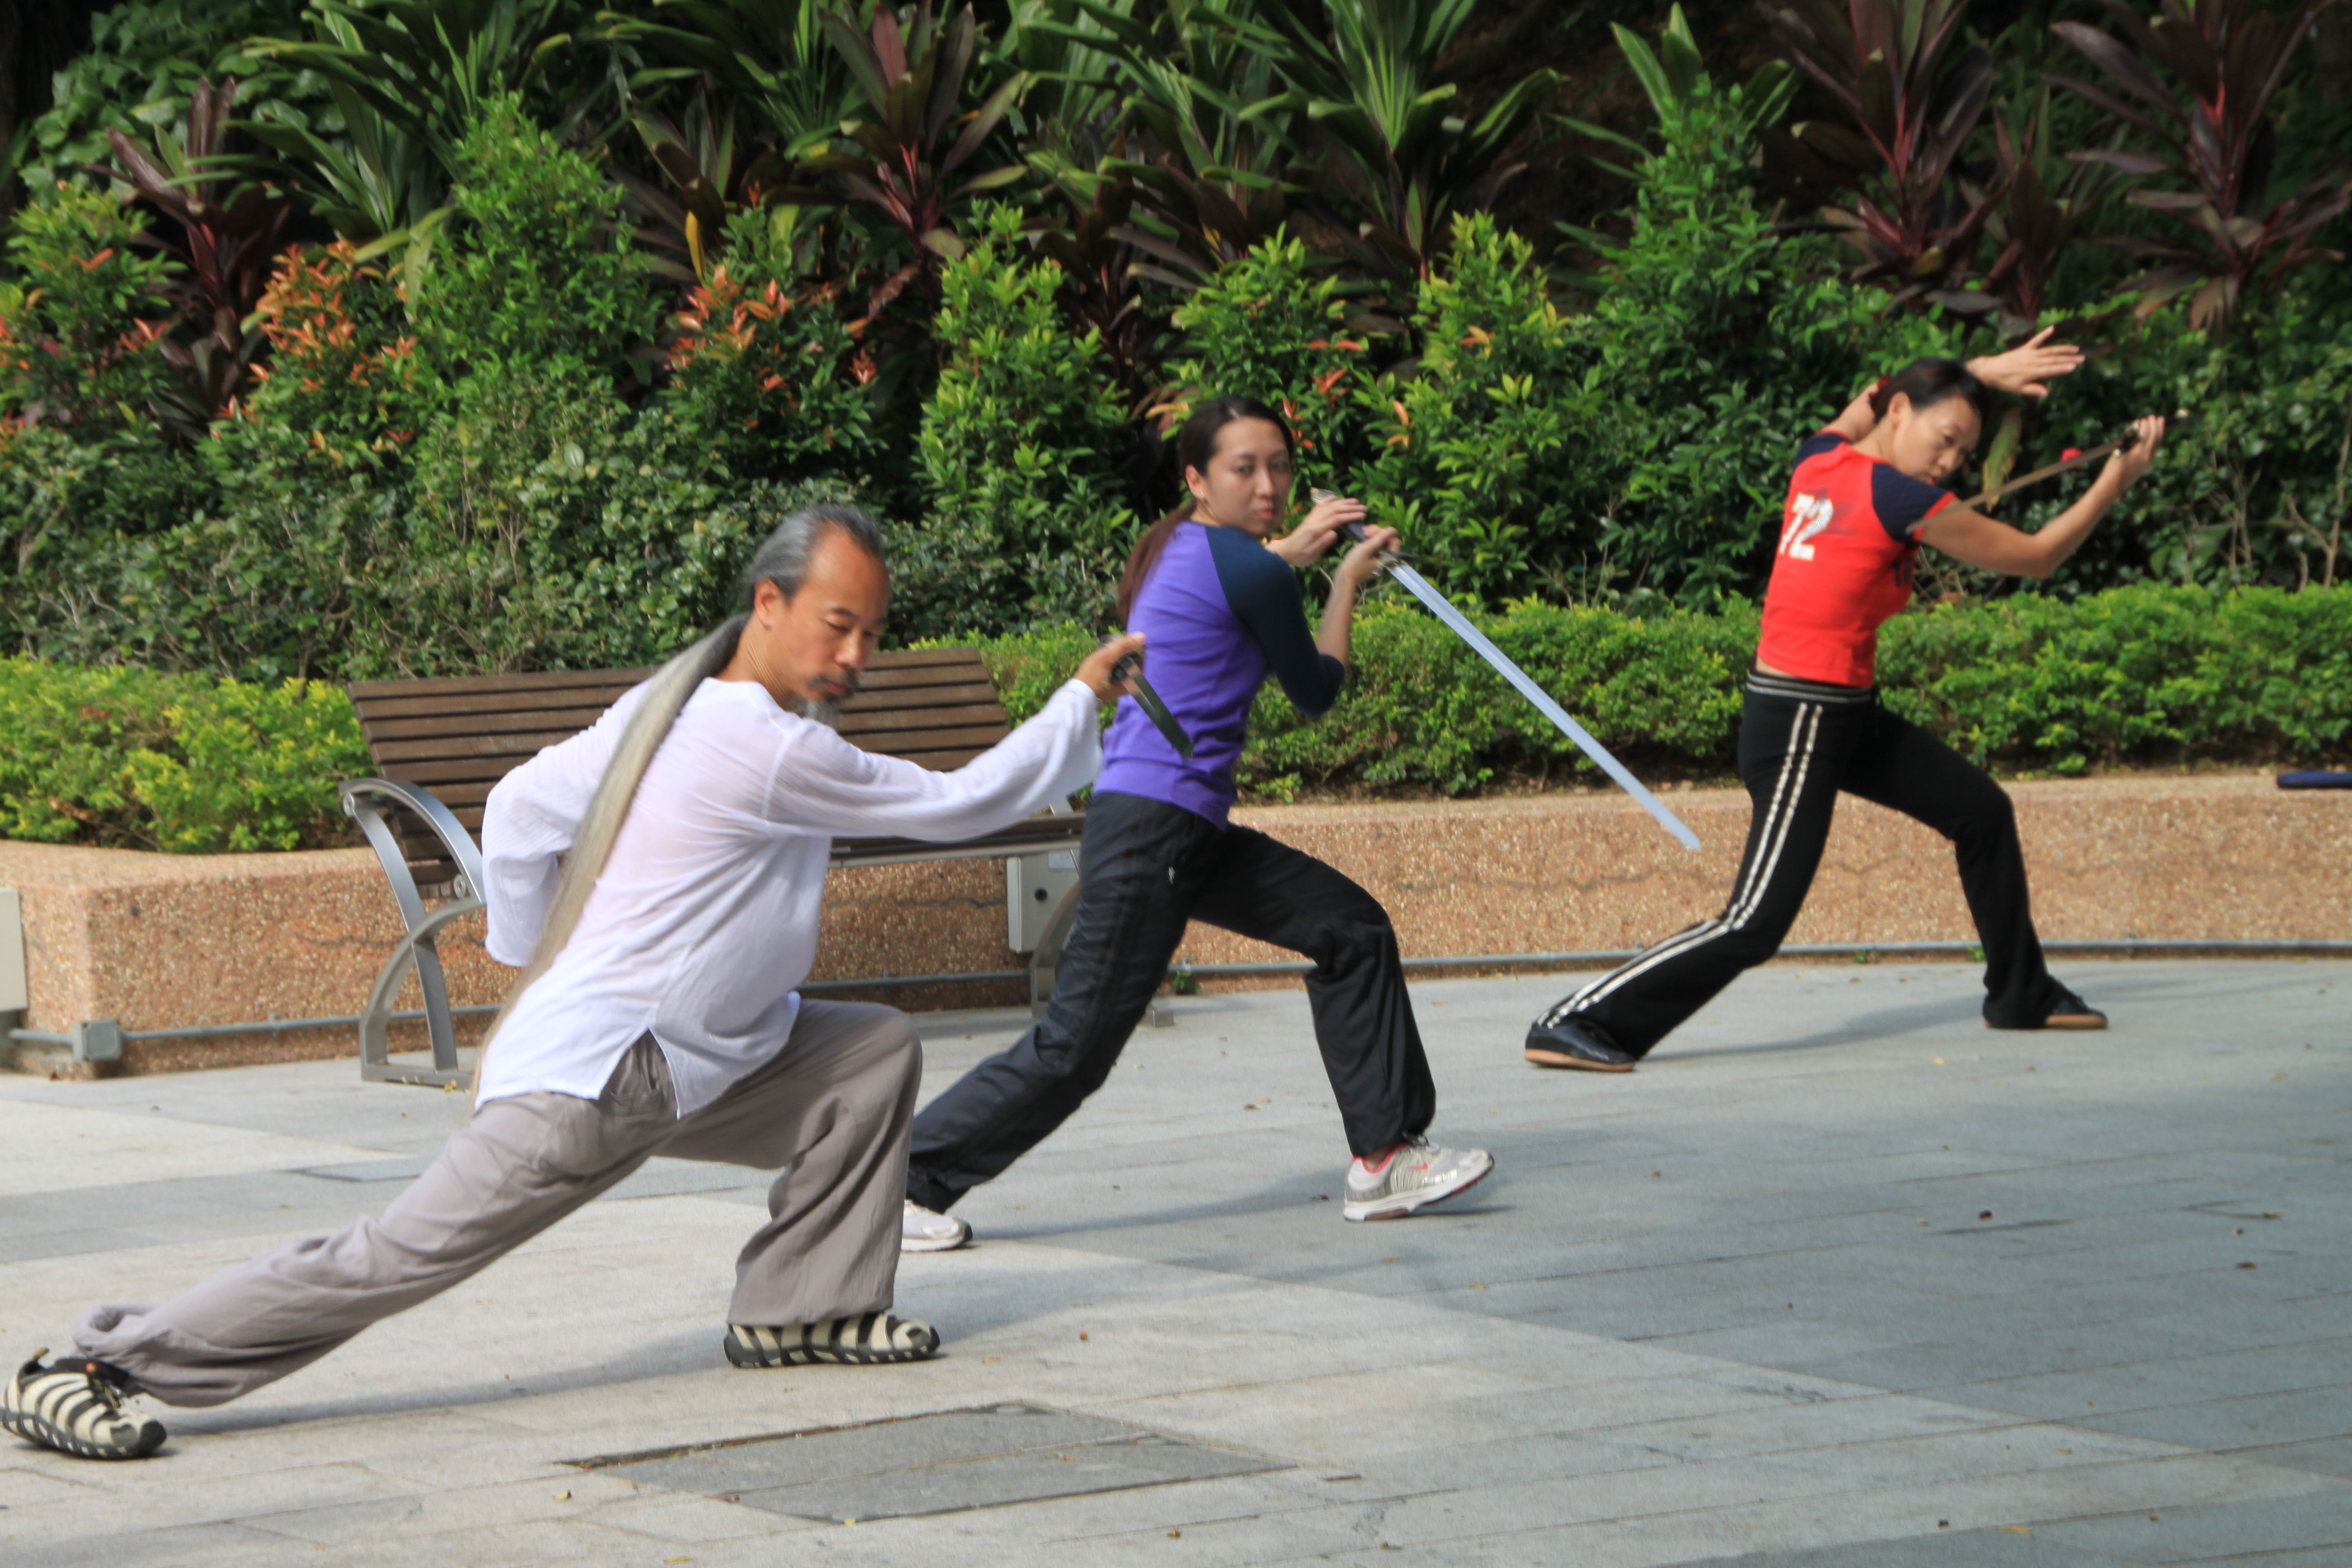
[(1144, 556)]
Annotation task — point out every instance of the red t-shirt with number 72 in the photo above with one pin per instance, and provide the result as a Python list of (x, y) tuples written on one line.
[(1848, 551)]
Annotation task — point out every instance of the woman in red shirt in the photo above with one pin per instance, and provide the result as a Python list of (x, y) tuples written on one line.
[(1867, 494)]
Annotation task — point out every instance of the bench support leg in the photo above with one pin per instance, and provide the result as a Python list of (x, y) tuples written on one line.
[(416, 948), (1045, 964), (365, 802)]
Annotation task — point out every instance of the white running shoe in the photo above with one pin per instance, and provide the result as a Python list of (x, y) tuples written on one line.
[(1415, 1174), (925, 1230)]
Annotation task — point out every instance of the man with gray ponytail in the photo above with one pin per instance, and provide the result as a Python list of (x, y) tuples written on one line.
[(658, 878)]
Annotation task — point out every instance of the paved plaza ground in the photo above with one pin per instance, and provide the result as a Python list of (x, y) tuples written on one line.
[(1841, 1278)]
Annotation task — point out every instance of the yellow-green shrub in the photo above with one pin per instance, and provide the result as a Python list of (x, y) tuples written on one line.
[(129, 758)]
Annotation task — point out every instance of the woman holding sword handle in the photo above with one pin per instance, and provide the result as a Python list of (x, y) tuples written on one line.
[(1217, 598), (1865, 494)]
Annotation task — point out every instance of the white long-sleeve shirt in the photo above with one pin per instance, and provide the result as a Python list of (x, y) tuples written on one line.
[(705, 919)]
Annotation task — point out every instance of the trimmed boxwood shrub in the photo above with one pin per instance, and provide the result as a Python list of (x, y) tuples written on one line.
[(2137, 676), (2143, 675)]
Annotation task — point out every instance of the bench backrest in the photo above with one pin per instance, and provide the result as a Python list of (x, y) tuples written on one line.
[(459, 737)]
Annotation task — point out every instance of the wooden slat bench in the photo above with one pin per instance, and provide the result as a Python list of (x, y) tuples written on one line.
[(440, 746)]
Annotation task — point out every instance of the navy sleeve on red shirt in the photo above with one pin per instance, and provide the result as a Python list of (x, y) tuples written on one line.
[(1901, 502), (1818, 443)]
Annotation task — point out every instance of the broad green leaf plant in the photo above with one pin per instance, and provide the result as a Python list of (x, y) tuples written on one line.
[(1395, 146)]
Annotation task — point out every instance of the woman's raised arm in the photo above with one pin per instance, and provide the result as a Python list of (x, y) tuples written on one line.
[(1966, 534)]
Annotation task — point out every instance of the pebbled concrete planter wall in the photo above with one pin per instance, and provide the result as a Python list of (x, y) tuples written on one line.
[(2214, 855), (159, 942)]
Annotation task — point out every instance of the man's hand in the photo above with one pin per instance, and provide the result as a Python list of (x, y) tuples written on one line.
[(2125, 467), (2029, 367), (1094, 669), (1312, 538)]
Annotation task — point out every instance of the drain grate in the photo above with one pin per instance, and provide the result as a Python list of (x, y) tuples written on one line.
[(943, 1463)]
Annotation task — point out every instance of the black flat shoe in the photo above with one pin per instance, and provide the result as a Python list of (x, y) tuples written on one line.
[(2068, 1010), (1572, 1043)]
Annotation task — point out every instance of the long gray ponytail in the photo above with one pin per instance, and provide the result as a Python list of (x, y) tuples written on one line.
[(782, 558)]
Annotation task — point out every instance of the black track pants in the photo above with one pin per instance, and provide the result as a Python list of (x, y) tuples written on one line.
[(1144, 869), (1795, 756)]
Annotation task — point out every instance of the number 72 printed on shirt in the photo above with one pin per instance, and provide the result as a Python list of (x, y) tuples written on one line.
[(1808, 515)]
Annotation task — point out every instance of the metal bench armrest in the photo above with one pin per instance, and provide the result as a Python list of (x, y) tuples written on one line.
[(360, 797)]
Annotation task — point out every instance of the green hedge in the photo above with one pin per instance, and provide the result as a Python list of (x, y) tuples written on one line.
[(134, 759), (2140, 675), (2143, 675)]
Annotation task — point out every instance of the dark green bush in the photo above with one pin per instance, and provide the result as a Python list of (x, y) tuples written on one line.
[(1485, 453), (765, 365), (2137, 673), (2141, 675), (1019, 449), (71, 351), (540, 268), (2145, 674), (2256, 487), (526, 454), (1270, 325), (1721, 345), (84, 471)]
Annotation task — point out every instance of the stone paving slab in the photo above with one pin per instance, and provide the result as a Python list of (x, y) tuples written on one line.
[(1696, 1317)]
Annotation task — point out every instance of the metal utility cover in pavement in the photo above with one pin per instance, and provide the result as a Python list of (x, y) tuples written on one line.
[(945, 1463)]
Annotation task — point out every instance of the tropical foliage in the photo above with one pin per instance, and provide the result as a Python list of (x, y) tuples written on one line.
[(360, 336), (1911, 98)]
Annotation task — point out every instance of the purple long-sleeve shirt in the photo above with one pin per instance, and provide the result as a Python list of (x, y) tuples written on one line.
[(1218, 612)]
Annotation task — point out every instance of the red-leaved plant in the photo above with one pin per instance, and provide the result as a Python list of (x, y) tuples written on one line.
[(906, 160), (2199, 80), (222, 232), (2047, 201), (1885, 182)]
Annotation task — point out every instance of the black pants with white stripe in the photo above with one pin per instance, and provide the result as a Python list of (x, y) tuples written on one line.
[(1800, 744)]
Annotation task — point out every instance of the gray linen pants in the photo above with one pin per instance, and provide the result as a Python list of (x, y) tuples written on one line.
[(832, 1112)]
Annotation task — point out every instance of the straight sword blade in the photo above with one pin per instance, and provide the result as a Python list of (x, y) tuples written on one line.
[(1459, 623), (1157, 711), (1129, 670)]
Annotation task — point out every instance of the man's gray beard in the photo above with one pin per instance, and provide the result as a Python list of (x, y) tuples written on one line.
[(817, 713)]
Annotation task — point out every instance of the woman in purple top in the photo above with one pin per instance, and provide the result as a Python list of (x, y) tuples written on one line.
[(1216, 598)]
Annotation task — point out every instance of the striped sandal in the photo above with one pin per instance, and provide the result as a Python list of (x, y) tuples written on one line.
[(76, 1409), (871, 1339)]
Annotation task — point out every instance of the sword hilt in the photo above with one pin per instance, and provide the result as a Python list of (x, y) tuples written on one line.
[(1128, 667), (2122, 443), (1355, 530), (1126, 664)]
